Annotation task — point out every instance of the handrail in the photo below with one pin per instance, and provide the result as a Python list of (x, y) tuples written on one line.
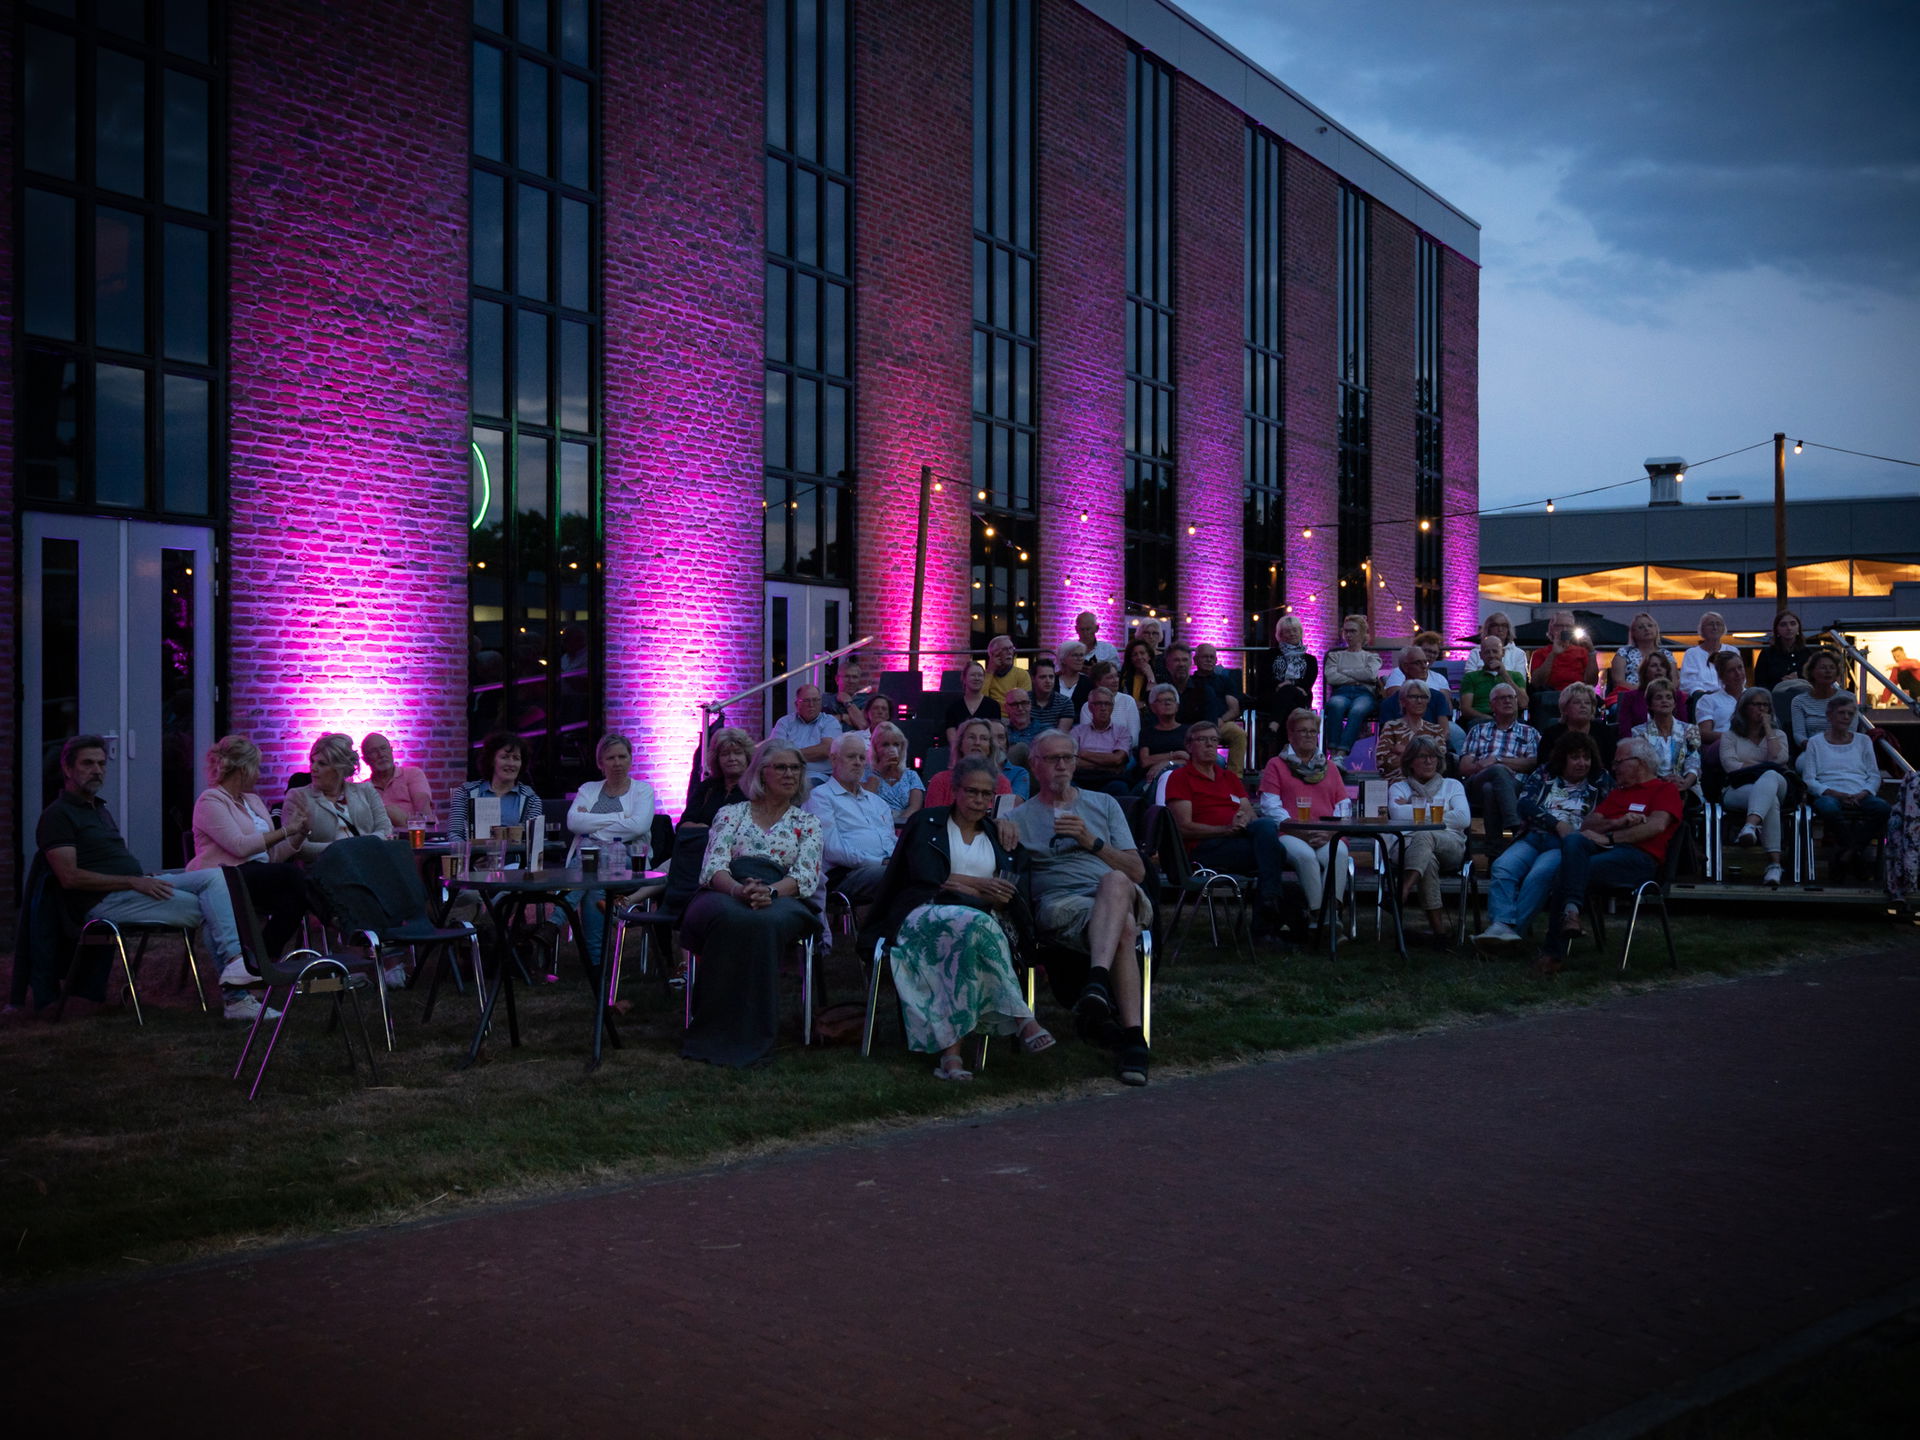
[(709, 706), (1861, 660)]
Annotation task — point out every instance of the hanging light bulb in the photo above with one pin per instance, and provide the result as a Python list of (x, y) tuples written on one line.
[(1083, 515), (938, 487), (1678, 476), (1307, 534), (989, 532), (1426, 525), (1549, 507), (1193, 529), (1798, 446), (1023, 557)]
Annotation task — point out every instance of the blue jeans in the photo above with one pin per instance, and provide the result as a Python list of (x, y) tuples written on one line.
[(1584, 863), (1348, 709), (1523, 878), (1255, 851), (1856, 825)]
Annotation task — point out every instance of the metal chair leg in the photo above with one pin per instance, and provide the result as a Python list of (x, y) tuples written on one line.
[(193, 969), (1146, 986), (266, 1059), (360, 1018), (806, 990)]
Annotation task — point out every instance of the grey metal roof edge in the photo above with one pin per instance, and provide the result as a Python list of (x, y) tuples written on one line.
[(1191, 48), (1695, 507)]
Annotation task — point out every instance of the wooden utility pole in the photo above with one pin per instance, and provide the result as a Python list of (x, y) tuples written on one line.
[(920, 568), (1779, 522)]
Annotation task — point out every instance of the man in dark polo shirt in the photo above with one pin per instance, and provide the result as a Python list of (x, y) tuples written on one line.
[(1218, 824), (101, 879)]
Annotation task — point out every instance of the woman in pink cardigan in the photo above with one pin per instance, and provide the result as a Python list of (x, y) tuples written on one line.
[(1303, 772), (231, 827)]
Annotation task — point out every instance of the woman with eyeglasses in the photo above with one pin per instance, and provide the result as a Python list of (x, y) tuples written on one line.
[(761, 869), (950, 919)]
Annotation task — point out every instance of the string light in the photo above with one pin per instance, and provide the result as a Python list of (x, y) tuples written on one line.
[(981, 496), (1678, 476), (1426, 525), (1307, 534), (1549, 507), (1798, 446), (1193, 529), (989, 532)]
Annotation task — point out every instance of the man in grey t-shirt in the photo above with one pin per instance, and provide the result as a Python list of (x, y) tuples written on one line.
[(1086, 893)]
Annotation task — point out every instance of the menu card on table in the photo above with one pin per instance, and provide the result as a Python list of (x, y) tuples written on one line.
[(1373, 799), (486, 815)]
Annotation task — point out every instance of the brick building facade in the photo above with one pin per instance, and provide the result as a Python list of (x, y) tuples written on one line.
[(343, 495)]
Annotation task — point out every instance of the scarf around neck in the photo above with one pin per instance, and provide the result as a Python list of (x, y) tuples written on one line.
[(1428, 790), (1308, 772)]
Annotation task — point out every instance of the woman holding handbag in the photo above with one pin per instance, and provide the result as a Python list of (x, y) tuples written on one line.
[(949, 917)]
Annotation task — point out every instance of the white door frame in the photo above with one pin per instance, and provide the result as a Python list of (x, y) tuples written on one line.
[(819, 619)]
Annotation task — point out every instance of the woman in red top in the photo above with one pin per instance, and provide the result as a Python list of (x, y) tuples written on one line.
[(1556, 665)]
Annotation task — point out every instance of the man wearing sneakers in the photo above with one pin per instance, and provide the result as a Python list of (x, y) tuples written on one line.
[(102, 880), (1087, 896)]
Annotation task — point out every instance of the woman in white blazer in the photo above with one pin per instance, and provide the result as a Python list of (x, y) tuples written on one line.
[(615, 810), (333, 807)]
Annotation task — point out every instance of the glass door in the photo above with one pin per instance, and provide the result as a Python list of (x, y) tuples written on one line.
[(803, 622), (117, 640)]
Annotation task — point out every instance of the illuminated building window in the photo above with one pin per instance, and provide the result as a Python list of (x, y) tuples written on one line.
[(1511, 589), (1263, 451)]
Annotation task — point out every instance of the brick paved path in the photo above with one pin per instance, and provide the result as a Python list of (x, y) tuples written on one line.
[(1509, 1229)]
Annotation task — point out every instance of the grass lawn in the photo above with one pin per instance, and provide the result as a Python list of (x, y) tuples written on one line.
[(124, 1147)]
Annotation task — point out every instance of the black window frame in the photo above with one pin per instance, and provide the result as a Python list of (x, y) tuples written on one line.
[(1263, 419), (1355, 424), (1151, 439), (1429, 435)]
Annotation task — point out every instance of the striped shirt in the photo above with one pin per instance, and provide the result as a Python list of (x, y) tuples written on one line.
[(1517, 742)]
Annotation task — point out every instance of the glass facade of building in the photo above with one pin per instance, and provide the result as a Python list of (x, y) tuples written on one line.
[(1356, 422), (1150, 426), (1428, 495), (1263, 426)]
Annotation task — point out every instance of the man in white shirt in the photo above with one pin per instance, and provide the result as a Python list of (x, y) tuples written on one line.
[(809, 732), (856, 825), (1087, 625)]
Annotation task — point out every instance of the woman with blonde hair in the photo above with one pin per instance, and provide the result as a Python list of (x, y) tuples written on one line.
[(1353, 687), (1287, 677), (1643, 639), (729, 752), (890, 777), (231, 827), (331, 805)]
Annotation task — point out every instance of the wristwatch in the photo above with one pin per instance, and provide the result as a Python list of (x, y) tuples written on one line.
[(1099, 844)]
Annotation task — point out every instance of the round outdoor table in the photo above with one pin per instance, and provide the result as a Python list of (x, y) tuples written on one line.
[(1379, 831), (507, 891)]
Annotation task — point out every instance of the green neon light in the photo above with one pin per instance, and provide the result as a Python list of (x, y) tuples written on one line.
[(486, 487)]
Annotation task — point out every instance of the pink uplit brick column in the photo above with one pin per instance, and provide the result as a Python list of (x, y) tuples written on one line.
[(1310, 230), (348, 369), (1390, 307), (913, 225), (684, 241), (1460, 441), (1083, 289), (1209, 299), (12, 872)]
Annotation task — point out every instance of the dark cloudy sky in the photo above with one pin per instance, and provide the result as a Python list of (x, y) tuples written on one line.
[(1700, 218)]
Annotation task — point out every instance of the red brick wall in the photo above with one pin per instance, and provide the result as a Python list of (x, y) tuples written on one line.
[(1460, 441), (1390, 321), (1082, 290), (685, 236), (1209, 298), (913, 238), (349, 478), (1310, 231)]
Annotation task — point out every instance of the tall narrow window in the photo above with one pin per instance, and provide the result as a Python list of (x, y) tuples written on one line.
[(1005, 349), (122, 351), (1356, 425), (1428, 495), (1263, 438), (1150, 426), (809, 303), (534, 328)]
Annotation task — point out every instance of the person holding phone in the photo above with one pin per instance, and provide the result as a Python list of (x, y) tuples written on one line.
[(1566, 657)]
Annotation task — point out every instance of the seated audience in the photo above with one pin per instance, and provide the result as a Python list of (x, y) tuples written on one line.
[(1353, 687), (949, 916), (1155, 634), (1104, 749), (1429, 853), (850, 692), (729, 751), (1622, 842), (972, 703), (1565, 658), (1091, 647), (231, 827), (976, 738), (1555, 803), (1051, 706), (1415, 662), (1843, 786), (1139, 672), (891, 778), (1221, 827), (330, 806), (1712, 709), (1630, 706), (810, 731), (1087, 899), (403, 788), (615, 810), (100, 879), (1017, 775), (1500, 625), (856, 825), (1643, 639), (1287, 676), (1017, 711), (1807, 712), (1673, 745), (1074, 681), (1579, 715), (1303, 783), (1782, 663), (1498, 753), (1410, 723), (1488, 671), (502, 756), (1126, 713), (1696, 665), (1163, 743), (1004, 672), (1754, 755), (758, 880), (1208, 694)]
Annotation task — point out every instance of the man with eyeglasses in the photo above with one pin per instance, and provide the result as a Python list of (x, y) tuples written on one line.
[(856, 825), (1220, 827), (810, 732), (1004, 672), (1087, 899)]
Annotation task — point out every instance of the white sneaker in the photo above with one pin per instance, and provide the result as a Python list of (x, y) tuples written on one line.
[(235, 972), (1499, 930), (1771, 877), (1748, 837), (394, 977), (248, 1007)]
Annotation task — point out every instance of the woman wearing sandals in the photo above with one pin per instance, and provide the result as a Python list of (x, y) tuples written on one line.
[(948, 917)]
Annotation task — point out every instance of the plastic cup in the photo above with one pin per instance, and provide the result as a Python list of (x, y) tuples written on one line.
[(449, 866), (589, 859)]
